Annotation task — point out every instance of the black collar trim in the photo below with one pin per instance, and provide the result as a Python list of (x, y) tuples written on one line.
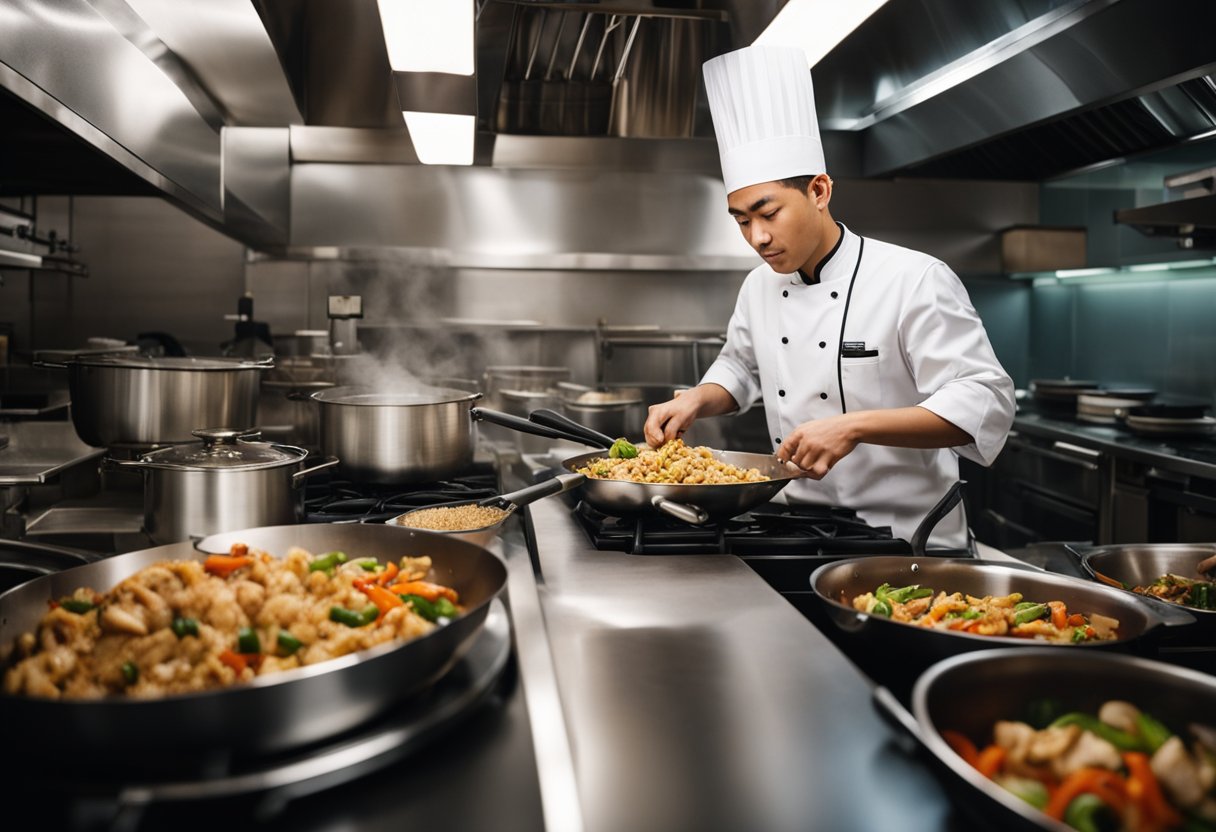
[(815, 278)]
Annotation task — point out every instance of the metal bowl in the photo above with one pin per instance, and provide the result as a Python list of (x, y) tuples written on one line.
[(970, 693)]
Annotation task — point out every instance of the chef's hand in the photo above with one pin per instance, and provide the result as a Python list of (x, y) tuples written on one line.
[(817, 445), (668, 420)]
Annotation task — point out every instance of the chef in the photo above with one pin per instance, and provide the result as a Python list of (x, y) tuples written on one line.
[(873, 366)]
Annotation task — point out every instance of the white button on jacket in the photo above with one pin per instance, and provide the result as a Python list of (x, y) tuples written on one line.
[(911, 337)]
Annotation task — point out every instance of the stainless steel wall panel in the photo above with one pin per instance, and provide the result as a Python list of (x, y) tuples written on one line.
[(257, 183)]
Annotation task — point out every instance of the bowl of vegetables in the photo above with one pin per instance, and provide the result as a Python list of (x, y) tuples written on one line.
[(1060, 740)]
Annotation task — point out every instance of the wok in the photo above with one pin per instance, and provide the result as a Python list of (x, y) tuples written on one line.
[(272, 713), (1140, 564), (836, 584), (690, 503), (969, 693)]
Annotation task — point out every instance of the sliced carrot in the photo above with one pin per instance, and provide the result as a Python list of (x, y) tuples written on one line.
[(1076, 620), (990, 761), (386, 577), (1107, 785), (237, 661), (381, 597), (425, 589), (962, 746), (224, 565), (1059, 614)]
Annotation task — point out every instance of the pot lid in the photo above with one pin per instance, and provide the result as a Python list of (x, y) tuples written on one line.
[(224, 448), (420, 395), (171, 363)]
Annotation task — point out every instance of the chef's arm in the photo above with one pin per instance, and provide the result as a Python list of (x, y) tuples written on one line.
[(817, 445), (669, 419)]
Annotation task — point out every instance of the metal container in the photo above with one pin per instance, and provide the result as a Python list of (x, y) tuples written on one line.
[(121, 401), (397, 437), (225, 482), (618, 412)]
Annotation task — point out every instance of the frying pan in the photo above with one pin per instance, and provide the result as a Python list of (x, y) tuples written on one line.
[(691, 503), (272, 713), (969, 693), (1140, 564), (836, 584)]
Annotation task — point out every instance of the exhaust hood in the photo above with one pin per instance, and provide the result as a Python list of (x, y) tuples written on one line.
[(1191, 220)]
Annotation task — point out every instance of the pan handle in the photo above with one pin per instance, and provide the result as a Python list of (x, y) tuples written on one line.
[(554, 485), (506, 420), (553, 419), (681, 511), (898, 717), (920, 537), (297, 479)]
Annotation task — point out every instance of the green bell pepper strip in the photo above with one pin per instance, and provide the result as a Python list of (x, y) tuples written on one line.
[(369, 565), (354, 618), (908, 593), (327, 562), (76, 605), (247, 641), (445, 608), (1031, 613), (1090, 813), (288, 644), (183, 627), (881, 607), (130, 672), (1152, 732), (1087, 722), (427, 609), (1032, 791), (1024, 605)]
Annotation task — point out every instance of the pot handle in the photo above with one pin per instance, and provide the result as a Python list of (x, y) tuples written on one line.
[(265, 363), (109, 463), (49, 365), (681, 511), (297, 479), (299, 396), (554, 485)]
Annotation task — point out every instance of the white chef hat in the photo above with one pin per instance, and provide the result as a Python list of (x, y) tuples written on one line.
[(763, 107)]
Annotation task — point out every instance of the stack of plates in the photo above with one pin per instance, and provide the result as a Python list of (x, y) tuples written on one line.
[(1160, 426)]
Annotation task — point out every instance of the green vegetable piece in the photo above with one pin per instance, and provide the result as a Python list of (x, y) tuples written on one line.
[(1119, 739), (76, 605), (327, 563), (1089, 813), (971, 614), (1024, 605), (908, 593), (1152, 732), (881, 607), (421, 606), (445, 608), (183, 627), (369, 565), (622, 448), (881, 592), (130, 672), (288, 644), (1032, 791), (354, 618), (1079, 635), (1040, 713), (1031, 613), (247, 641)]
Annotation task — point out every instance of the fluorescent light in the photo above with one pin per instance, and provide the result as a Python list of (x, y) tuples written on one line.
[(815, 26), (428, 35), (441, 138), (1062, 273)]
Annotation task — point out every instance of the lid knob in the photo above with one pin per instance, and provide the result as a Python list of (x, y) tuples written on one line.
[(224, 436)]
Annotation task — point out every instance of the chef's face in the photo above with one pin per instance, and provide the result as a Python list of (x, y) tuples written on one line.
[(783, 224)]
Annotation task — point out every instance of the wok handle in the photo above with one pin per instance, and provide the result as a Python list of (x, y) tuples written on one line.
[(297, 479), (896, 715), (553, 419), (920, 537), (554, 485), (506, 420), (680, 511)]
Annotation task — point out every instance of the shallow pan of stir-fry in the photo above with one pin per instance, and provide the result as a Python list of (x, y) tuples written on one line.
[(1073, 740), (934, 607), (259, 641)]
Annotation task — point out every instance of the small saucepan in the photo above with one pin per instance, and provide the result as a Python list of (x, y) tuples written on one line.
[(506, 504)]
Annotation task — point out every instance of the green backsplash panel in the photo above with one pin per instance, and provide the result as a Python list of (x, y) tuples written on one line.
[(1004, 307), (1051, 330), (1121, 333)]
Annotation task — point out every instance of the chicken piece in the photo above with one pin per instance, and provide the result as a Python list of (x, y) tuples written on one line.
[(1051, 743), (1207, 566), (1104, 626), (1089, 751), (1119, 714), (115, 619), (1177, 773)]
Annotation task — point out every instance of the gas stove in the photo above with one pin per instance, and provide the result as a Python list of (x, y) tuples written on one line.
[(342, 501)]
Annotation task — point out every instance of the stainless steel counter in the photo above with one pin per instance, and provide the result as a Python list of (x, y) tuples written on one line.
[(38, 451), (696, 697)]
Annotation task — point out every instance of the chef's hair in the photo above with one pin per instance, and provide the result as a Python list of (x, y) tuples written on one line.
[(798, 183)]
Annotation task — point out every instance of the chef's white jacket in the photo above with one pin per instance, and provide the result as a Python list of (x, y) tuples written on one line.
[(911, 337)]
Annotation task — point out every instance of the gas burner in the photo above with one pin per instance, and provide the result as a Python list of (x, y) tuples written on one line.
[(339, 501), (773, 529)]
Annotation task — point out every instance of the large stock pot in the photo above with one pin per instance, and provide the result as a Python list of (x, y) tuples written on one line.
[(131, 401)]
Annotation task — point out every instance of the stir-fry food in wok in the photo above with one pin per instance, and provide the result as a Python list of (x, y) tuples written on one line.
[(673, 464), (1121, 769), (1176, 589), (991, 615), (180, 626)]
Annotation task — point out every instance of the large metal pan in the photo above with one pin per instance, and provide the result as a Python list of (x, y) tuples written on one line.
[(272, 713), (836, 584), (690, 503), (1139, 564), (970, 693)]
